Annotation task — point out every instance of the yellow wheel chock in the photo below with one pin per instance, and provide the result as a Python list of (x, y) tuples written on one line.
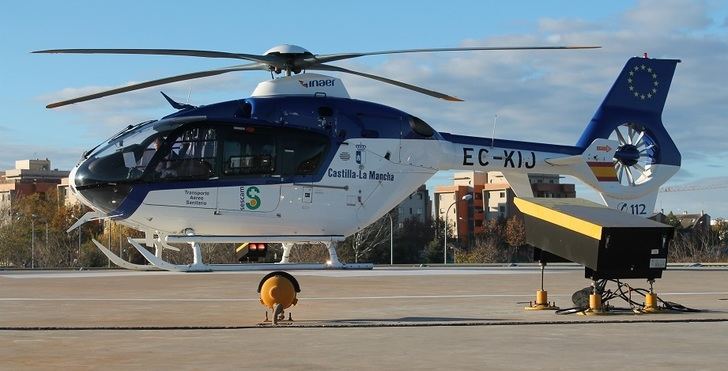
[(278, 292)]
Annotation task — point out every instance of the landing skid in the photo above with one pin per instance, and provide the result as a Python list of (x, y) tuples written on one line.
[(121, 262), (199, 266)]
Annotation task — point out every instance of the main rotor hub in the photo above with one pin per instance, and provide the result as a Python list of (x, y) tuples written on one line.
[(291, 54), (287, 49)]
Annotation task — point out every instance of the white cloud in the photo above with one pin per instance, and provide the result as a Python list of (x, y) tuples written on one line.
[(662, 16)]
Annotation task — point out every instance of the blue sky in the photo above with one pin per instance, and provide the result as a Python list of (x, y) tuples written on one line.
[(539, 96)]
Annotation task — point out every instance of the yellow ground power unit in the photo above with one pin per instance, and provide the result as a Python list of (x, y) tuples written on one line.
[(611, 244)]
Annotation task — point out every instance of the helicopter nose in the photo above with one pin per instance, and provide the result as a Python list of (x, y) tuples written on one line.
[(101, 195), (73, 183), (72, 179), (72, 187)]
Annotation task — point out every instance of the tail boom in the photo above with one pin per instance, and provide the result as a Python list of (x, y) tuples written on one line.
[(625, 153)]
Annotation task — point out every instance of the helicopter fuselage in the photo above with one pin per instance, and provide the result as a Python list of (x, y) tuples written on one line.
[(260, 166)]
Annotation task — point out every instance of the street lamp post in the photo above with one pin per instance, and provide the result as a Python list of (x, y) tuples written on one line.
[(32, 241), (391, 240), (109, 245), (79, 246), (444, 247)]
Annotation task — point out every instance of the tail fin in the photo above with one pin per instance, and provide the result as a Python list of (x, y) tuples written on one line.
[(628, 124)]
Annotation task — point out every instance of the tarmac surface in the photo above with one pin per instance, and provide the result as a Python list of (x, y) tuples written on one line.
[(463, 318)]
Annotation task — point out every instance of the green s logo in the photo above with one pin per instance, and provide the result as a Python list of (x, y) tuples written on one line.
[(253, 199)]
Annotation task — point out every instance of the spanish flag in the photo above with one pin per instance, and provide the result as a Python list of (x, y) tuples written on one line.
[(604, 171)]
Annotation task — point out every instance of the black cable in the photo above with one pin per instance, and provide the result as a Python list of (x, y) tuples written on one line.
[(607, 295), (571, 310)]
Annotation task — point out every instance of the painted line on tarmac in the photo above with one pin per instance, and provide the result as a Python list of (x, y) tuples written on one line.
[(379, 297), (362, 324), (404, 297)]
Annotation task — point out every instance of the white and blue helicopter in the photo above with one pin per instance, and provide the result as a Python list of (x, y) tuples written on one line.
[(301, 161)]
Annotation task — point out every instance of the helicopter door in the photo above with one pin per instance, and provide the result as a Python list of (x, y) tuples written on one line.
[(250, 182), (189, 159)]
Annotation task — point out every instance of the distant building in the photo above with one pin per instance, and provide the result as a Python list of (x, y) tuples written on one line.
[(65, 195), (415, 206), (498, 195), (27, 178), (694, 222), (467, 216), (492, 198)]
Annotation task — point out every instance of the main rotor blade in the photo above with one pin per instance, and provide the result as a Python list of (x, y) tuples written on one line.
[(166, 80), (269, 59), (324, 58), (432, 93)]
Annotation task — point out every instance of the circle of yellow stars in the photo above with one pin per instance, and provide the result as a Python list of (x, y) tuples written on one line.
[(642, 70)]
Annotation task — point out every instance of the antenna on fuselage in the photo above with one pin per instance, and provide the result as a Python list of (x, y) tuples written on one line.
[(492, 140)]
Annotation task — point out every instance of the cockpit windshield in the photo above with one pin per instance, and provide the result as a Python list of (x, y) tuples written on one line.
[(125, 157)]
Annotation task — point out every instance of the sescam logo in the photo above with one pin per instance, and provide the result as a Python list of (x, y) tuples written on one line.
[(317, 83), (249, 199)]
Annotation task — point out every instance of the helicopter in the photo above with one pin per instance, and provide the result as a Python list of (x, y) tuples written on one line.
[(301, 161)]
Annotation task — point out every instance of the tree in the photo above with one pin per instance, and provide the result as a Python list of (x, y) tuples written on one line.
[(33, 232), (411, 241), (486, 249), (673, 220), (433, 251), (515, 237), (309, 253), (489, 246), (515, 232), (721, 231), (362, 244)]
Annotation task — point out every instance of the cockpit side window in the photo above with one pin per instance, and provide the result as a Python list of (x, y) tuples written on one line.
[(190, 154), (146, 156)]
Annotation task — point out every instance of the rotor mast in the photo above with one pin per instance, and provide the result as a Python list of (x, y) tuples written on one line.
[(290, 54)]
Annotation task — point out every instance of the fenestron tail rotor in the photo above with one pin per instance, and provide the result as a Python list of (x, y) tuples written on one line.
[(288, 59), (636, 155)]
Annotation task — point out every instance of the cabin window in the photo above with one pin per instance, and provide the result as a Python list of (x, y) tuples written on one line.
[(248, 152), (267, 152), (420, 127), (301, 152)]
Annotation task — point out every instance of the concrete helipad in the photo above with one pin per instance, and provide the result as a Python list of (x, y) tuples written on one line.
[(388, 318)]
